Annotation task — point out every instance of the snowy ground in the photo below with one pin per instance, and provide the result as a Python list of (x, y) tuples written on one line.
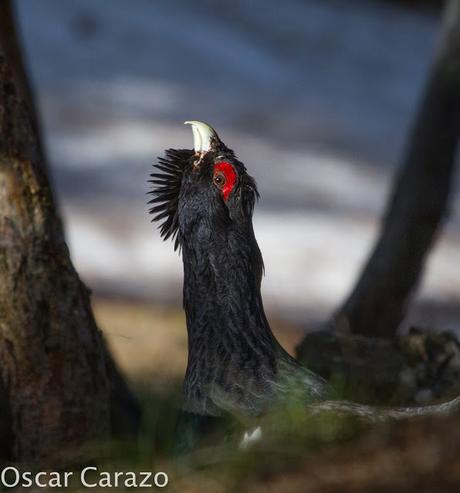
[(314, 96)]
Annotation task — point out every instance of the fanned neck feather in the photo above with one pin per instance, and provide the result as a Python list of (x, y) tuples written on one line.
[(166, 181)]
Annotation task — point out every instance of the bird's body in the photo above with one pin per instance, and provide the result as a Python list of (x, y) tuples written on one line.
[(205, 199), (234, 361)]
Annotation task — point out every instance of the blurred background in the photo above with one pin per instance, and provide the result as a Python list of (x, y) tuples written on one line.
[(316, 98)]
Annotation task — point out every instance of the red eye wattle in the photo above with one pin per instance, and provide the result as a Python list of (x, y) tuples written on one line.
[(224, 178)]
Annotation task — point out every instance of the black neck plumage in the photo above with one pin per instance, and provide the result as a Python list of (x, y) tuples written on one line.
[(232, 351)]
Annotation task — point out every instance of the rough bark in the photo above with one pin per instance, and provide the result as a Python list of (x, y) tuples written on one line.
[(51, 353), (62, 388), (418, 203)]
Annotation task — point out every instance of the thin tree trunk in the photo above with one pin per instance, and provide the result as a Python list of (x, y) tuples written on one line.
[(418, 205), (61, 385)]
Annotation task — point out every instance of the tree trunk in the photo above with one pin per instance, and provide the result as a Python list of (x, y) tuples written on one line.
[(61, 385), (9, 40), (50, 349), (416, 209)]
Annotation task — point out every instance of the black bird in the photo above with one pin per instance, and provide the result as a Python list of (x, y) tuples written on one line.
[(205, 199)]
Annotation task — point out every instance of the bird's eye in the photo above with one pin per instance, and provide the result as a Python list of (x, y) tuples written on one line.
[(219, 179), (224, 178)]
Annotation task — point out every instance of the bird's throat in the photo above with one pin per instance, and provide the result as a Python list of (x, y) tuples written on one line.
[(231, 347)]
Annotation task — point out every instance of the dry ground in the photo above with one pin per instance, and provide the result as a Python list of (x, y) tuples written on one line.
[(149, 343)]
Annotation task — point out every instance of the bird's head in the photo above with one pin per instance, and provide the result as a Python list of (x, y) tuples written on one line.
[(207, 187)]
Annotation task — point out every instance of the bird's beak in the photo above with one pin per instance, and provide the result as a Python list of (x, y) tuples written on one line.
[(203, 136)]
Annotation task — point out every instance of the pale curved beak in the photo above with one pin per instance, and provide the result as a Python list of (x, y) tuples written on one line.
[(203, 135)]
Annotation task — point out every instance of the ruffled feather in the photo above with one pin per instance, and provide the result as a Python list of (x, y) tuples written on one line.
[(165, 191)]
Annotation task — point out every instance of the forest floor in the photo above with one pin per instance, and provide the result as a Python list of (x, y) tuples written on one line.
[(320, 455)]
